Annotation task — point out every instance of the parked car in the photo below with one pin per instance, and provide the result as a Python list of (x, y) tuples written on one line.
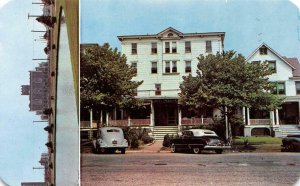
[(198, 140), (291, 143), (110, 139)]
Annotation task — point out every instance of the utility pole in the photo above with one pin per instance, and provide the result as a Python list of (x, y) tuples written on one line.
[(226, 123)]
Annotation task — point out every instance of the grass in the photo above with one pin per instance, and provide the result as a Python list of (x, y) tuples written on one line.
[(256, 140)]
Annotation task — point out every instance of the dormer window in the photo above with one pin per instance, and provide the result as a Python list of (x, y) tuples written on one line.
[(170, 35), (263, 50)]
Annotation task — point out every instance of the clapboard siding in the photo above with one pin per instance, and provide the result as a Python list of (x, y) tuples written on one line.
[(169, 82)]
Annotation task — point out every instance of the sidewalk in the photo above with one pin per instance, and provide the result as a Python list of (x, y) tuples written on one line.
[(152, 148)]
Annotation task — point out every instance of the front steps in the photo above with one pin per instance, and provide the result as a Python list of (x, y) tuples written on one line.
[(289, 130), (160, 131)]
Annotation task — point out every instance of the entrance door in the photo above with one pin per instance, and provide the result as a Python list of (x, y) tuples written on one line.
[(165, 113), (289, 113)]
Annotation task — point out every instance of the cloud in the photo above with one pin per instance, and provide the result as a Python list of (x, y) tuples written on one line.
[(4, 2), (297, 3)]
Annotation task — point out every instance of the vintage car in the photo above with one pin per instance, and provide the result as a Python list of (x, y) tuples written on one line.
[(110, 139), (198, 140), (291, 143)]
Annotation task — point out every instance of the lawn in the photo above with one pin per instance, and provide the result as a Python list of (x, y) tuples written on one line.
[(256, 140)]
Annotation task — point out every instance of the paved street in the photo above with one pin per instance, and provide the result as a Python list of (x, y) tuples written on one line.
[(190, 169)]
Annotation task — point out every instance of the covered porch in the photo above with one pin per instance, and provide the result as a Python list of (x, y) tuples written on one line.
[(260, 122)]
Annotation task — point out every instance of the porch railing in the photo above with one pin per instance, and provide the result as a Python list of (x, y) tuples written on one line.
[(129, 122), (260, 121), (86, 124), (196, 121)]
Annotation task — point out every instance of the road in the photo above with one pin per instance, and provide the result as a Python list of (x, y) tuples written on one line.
[(190, 169)]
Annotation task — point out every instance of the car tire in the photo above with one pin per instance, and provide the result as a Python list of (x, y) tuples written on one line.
[(219, 151), (173, 148), (196, 150), (290, 147), (102, 150), (123, 151)]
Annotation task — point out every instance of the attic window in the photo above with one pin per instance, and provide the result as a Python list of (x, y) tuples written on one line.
[(263, 50), (170, 35)]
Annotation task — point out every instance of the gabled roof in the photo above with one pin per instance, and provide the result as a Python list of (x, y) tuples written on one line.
[(168, 30), (180, 34), (273, 51), (294, 61)]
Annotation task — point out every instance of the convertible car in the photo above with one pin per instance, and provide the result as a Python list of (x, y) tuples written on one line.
[(291, 143), (110, 139), (197, 140)]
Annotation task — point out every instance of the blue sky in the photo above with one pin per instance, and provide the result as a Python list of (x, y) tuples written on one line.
[(247, 23), (22, 141)]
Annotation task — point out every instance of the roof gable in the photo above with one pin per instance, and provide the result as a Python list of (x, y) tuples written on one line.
[(273, 51), (167, 32)]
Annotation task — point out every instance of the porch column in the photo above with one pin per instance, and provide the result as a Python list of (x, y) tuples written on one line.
[(91, 118), (277, 116), (272, 118), (152, 114), (248, 116), (101, 117), (129, 121), (179, 117), (244, 114), (107, 118)]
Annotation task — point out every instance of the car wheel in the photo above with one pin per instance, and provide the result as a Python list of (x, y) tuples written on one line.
[(123, 151), (290, 147), (219, 151), (102, 150), (173, 148), (196, 150)]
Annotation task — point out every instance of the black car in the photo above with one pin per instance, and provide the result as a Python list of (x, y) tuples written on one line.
[(198, 140), (291, 143)]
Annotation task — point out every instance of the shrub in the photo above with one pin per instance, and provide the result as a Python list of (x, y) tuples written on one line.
[(166, 142), (147, 139)]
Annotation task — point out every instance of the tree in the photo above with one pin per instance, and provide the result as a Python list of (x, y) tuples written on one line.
[(105, 80), (227, 81)]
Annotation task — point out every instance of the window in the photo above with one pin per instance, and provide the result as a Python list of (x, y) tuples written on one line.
[(188, 47), (157, 90), (170, 66), (154, 48), (188, 67), (154, 68), (167, 67), (174, 66), (133, 48), (170, 35), (167, 47), (256, 62), (208, 47), (297, 87), (174, 47), (134, 66), (279, 88), (272, 66), (263, 50)]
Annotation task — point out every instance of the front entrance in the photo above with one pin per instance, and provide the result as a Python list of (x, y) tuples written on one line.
[(289, 113), (165, 112)]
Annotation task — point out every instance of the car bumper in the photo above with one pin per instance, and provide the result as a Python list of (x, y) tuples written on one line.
[(211, 147)]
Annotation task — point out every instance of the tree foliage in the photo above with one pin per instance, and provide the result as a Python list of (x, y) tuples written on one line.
[(105, 79), (227, 80)]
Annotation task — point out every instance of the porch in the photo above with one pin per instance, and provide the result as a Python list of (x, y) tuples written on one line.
[(258, 122)]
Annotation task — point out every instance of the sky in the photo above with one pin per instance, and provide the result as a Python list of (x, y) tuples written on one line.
[(247, 23), (21, 140)]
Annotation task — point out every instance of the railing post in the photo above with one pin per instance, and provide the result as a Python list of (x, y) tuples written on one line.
[(129, 121)]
